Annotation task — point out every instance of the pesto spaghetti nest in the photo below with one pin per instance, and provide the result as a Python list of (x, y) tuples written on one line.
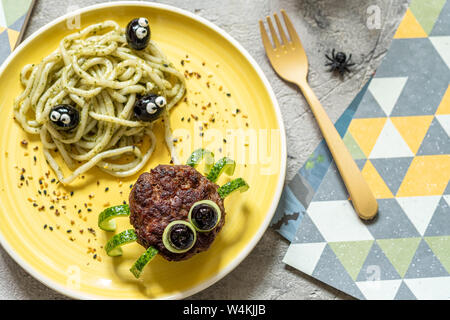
[(97, 73)]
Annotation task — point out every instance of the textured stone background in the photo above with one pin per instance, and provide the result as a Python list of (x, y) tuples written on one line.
[(322, 25)]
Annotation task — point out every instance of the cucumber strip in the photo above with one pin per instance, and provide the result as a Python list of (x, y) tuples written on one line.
[(142, 261), (198, 155), (234, 185), (113, 246), (105, 218), (226, 165)]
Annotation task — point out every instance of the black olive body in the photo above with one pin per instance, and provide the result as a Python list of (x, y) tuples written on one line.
[(138, 33), (181, 236), (204, 216), (149, 107), (64, 117)]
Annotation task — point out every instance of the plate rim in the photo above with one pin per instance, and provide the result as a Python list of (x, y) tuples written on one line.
[(77, 294)]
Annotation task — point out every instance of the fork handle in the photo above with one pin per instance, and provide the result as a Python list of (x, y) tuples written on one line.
[(362, 197)]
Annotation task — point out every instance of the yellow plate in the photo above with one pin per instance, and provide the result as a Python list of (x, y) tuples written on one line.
[(70, 258)]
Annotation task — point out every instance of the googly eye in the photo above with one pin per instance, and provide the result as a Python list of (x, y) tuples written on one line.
[(143, 22), (160, 101), (151, 108), (141, 33), (55, 115), (65, 119)]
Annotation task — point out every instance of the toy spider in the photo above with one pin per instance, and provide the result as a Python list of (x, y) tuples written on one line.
[(339, 62)]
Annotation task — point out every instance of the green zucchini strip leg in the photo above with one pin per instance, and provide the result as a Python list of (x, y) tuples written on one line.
[(113, 246), (226, 165), (105, 218), (142, 261), (198, 155), (232, 186)]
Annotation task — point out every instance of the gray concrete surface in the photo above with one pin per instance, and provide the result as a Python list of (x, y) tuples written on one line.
[(322, 25)]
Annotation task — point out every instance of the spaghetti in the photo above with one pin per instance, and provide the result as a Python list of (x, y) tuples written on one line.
[(96, 71)]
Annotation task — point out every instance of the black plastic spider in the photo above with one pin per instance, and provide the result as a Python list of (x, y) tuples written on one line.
[(339, 62)]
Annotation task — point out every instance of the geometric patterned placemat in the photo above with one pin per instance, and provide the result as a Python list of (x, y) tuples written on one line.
[(399, 137), (13, 14), (298, 193)]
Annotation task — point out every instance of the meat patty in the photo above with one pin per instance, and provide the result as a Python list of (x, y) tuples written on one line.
[(165, 194)]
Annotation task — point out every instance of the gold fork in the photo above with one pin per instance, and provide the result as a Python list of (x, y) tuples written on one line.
[(289, 60)]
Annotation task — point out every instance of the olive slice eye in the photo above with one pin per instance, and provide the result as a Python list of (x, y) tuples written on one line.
[(55, 115), (141, 33), (205, 215), (65, 118), (143, 22), (179, 236), (151, 108), (160, 101)]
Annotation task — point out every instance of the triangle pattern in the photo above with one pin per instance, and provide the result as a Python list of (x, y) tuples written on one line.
[(377, 266), (2, 16), (442, 46), (365, 132), (351, 254), (15, 9), (13, 36), (360, 163), (419, 210), (297, 251), (332, 187), (392, 170), (409, 28), (17, 25), (441, 248), (427, 12), (436, 140), (386, 91), (404, 293), (4, 46), (435, 288), (334, 218), (439, 224), (375, 182), (392, 222), (427, 176), (412, 129), (442, 25), (330, 270), (2, 29), (308, 232), (353, 147), (444, 121), (379, 290), (444, 106), (399, 252), (447, 197), (425, 264), (390, 144), (369, 108)]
